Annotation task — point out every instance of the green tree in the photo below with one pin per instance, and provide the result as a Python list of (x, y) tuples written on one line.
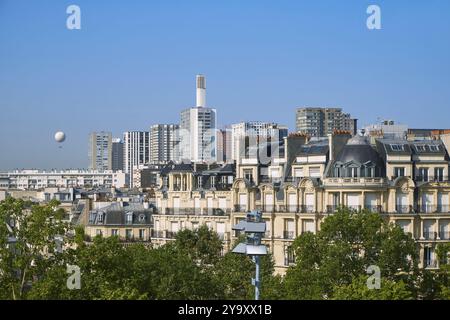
[(36, 229), (347, 244), (358, 290), (202, 245)]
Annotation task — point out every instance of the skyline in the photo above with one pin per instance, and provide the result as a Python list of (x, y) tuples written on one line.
[(141, 73)]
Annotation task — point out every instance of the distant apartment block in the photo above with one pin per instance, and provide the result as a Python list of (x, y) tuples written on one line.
[(100, 151), (164, 143), (224, 145), (35, 179), (117, 155), (136, 149), (247, 135), (319, 122)]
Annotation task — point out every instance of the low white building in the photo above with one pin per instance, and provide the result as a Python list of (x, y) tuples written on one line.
[(36, 179)]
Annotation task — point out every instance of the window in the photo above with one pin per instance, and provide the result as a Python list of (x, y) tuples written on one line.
[(399, 172), (421, 148), (200, 182), (129, 234), (99, 232), (433, 148), (370, 172), (397, 147), (289, 256), (100, 217), (423, 174), (353, 172), (298, 172), (141, 234), (129, 218), (314, 172), (213, 181), (114, 232), (248, 175), (439, 174)]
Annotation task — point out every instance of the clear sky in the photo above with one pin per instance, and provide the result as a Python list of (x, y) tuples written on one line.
[(133, 64)]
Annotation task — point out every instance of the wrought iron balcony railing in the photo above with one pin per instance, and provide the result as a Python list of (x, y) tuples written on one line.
[(430, 208), (430, 235), (307, 209), (289, 235), (444, 235), (399, 208), (196, 211)]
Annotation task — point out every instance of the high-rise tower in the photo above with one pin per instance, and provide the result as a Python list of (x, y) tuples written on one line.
[(201, 91)]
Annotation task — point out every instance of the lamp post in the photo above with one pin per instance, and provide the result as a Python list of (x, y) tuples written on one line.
[(254, 228)]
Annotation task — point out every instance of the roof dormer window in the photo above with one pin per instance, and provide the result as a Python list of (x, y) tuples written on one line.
[(129, 218), (434, 148), (397, 147), (100, 217), (142, 218), (421, 148)]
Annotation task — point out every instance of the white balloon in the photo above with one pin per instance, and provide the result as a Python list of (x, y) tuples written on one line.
[(60, 136)]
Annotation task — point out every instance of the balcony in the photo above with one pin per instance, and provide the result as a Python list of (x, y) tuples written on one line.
[(363, 181), (240, 208), (157, 234), (374, 209), (289, 208), (223, 186), (404, 209), (429, 208), (431, 179), (430, 235), (265, 208), (196, 211), (444, 235), (171, 234), (288, 235), (307, 209), (335, 208), (272, 180), (355, 208)]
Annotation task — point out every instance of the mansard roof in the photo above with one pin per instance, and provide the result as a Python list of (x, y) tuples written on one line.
[(358, 150)]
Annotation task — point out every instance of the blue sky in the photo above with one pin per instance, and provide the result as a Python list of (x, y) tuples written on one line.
[(133, 64)]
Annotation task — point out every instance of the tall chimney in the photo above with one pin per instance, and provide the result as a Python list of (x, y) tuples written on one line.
[(201, 91)]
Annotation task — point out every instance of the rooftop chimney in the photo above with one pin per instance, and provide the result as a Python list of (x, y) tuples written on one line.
[(201, 91)]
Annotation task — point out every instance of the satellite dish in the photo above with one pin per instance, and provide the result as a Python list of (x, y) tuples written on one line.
[(60, 136)]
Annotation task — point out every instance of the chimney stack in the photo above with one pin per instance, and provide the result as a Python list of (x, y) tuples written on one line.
[(201, 91)]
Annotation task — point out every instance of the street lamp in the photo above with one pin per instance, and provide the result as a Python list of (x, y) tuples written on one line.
[(254, 228)]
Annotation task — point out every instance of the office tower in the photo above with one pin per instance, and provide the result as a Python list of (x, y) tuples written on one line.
[(164, 143), (224, 145), (100, 151), (319, 122), (245, 135), (117, 154), (198, 142), (136, 149)]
